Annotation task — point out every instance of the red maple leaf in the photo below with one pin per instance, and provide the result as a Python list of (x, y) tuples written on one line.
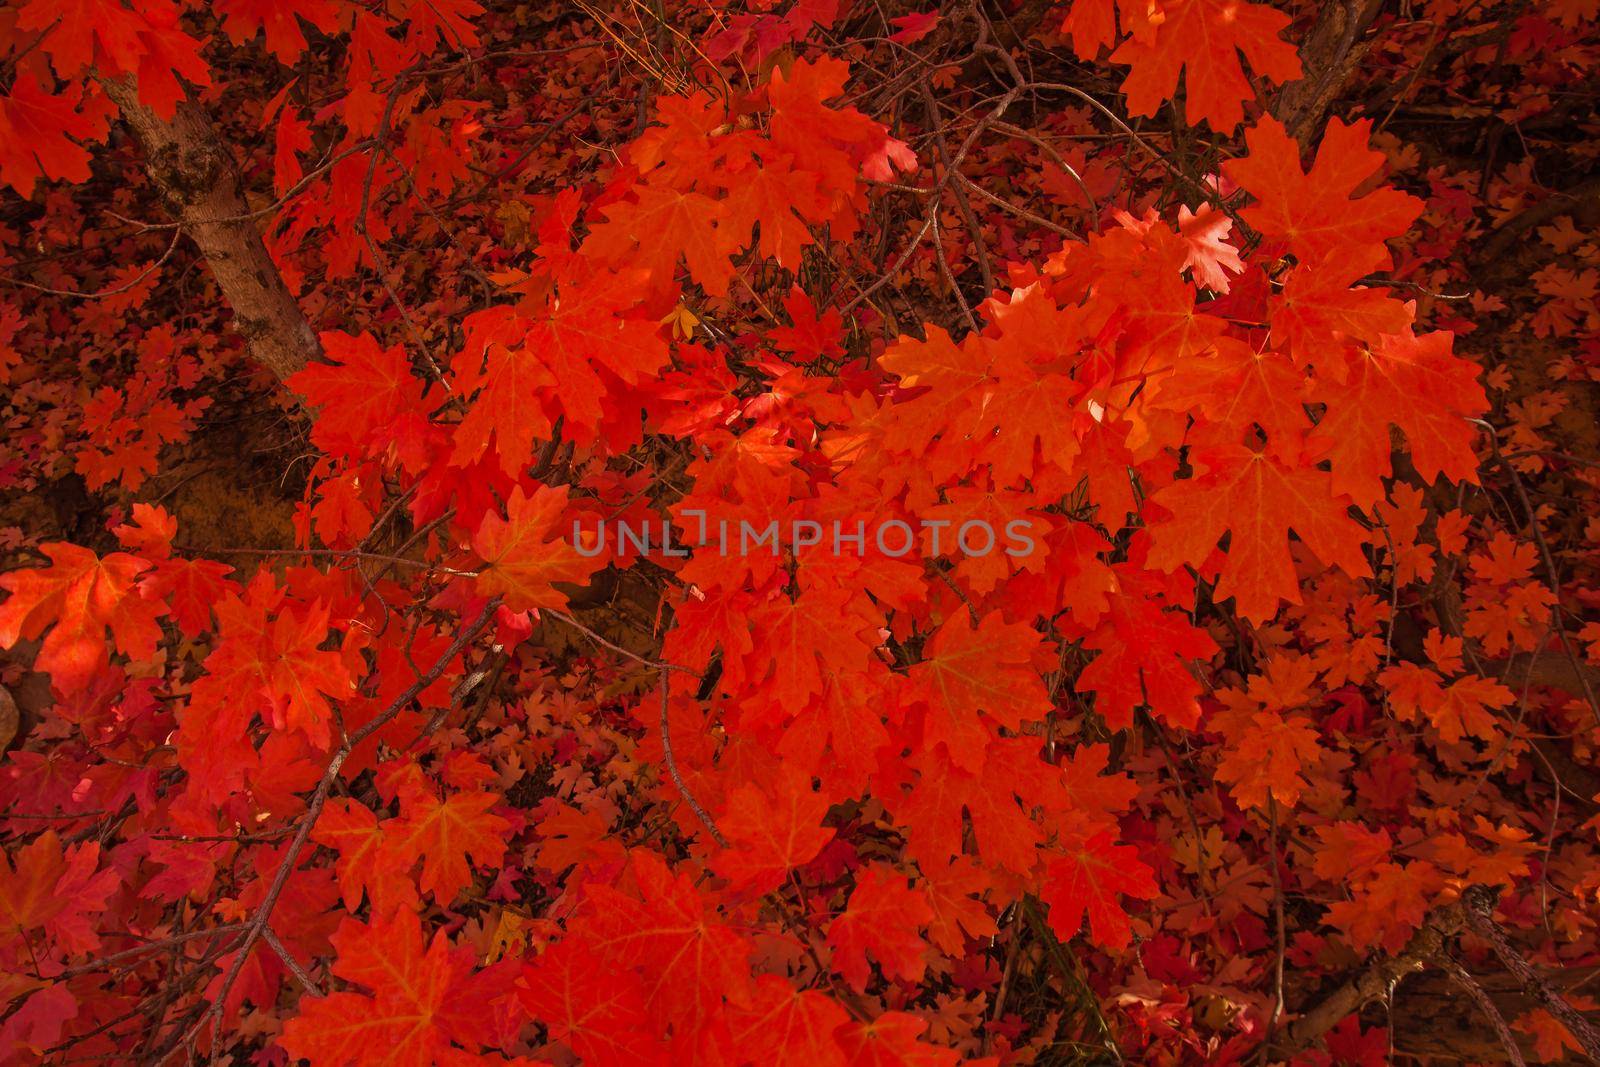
[(774, 829), (789, 1027), (421, 1006), (1087, 881), (1203, 39), (690, 959), (599, 1014), (1408, 381), (526, 554), (1317, 211), (443, 834), (41, 135), (883, 920), (968, 668), (360, 391), (1257, 500), (77, 598)]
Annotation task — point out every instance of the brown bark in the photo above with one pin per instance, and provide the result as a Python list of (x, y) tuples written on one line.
[(1559, 203), (1332, 50), (1376, 981), (1480, 918), (1438, 1020), (1431, 1018), (196, 175)]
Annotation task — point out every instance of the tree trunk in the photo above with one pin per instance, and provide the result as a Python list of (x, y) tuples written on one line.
[(1330, 53), (198, 179)]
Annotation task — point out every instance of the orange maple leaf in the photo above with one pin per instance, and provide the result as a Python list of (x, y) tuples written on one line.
[(526, 555), (443, 834), (1087, 880), (968, 668), (78, 597), (422, 1004), (1203, 39), (660, 226), (44, 885), (298, 676), (365, 866), (883, 919), (1415, 383), (1317, 211), (1258, 500)]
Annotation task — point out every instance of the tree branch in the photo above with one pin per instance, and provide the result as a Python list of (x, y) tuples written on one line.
[(258, 923), (1330, 54), (1377, 980), (1479, 913), (1485, 1003)]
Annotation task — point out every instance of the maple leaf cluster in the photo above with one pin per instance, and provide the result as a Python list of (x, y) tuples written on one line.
[(1292, 672)]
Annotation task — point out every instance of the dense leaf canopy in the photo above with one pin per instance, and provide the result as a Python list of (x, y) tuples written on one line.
[(825, 533)]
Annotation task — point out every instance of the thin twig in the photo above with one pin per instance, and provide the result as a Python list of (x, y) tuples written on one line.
[(1281, 947), (1557, 612), (664, 669), (314, 810), (1479, 911), (672, 766), (152, 946), (1480, 997), (177, 232), (290, 962)]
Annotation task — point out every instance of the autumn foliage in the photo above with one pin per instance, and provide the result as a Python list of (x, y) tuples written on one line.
[(331, 737)]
